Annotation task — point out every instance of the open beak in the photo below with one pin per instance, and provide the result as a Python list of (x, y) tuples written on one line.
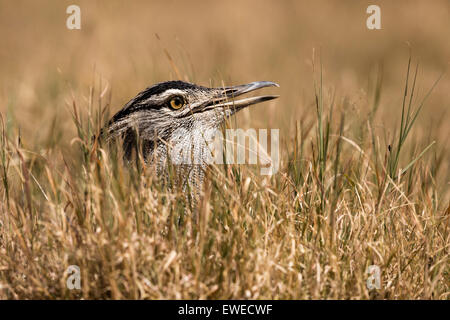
[(228, 94)]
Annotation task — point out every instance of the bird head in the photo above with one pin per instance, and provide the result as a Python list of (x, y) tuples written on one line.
[(157, 111)]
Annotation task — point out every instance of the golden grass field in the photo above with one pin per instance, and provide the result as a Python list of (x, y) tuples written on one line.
[(340, 202)]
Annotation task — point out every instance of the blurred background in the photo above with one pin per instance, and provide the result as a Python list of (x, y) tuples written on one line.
[(125, 46)]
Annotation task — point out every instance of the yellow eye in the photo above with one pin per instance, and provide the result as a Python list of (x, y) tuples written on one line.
[(176, 103)]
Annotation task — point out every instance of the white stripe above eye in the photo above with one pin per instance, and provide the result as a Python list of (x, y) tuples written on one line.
[(163, 96)]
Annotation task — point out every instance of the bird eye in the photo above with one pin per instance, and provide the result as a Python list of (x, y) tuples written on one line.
[(176, 103)]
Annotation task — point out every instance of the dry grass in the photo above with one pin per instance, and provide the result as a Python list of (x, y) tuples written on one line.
[(340, 202)]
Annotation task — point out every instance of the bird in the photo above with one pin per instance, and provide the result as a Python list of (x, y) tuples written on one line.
[(178, 113)]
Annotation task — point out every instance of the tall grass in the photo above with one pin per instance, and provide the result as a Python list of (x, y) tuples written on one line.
[(310, 231), (408, 118)]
